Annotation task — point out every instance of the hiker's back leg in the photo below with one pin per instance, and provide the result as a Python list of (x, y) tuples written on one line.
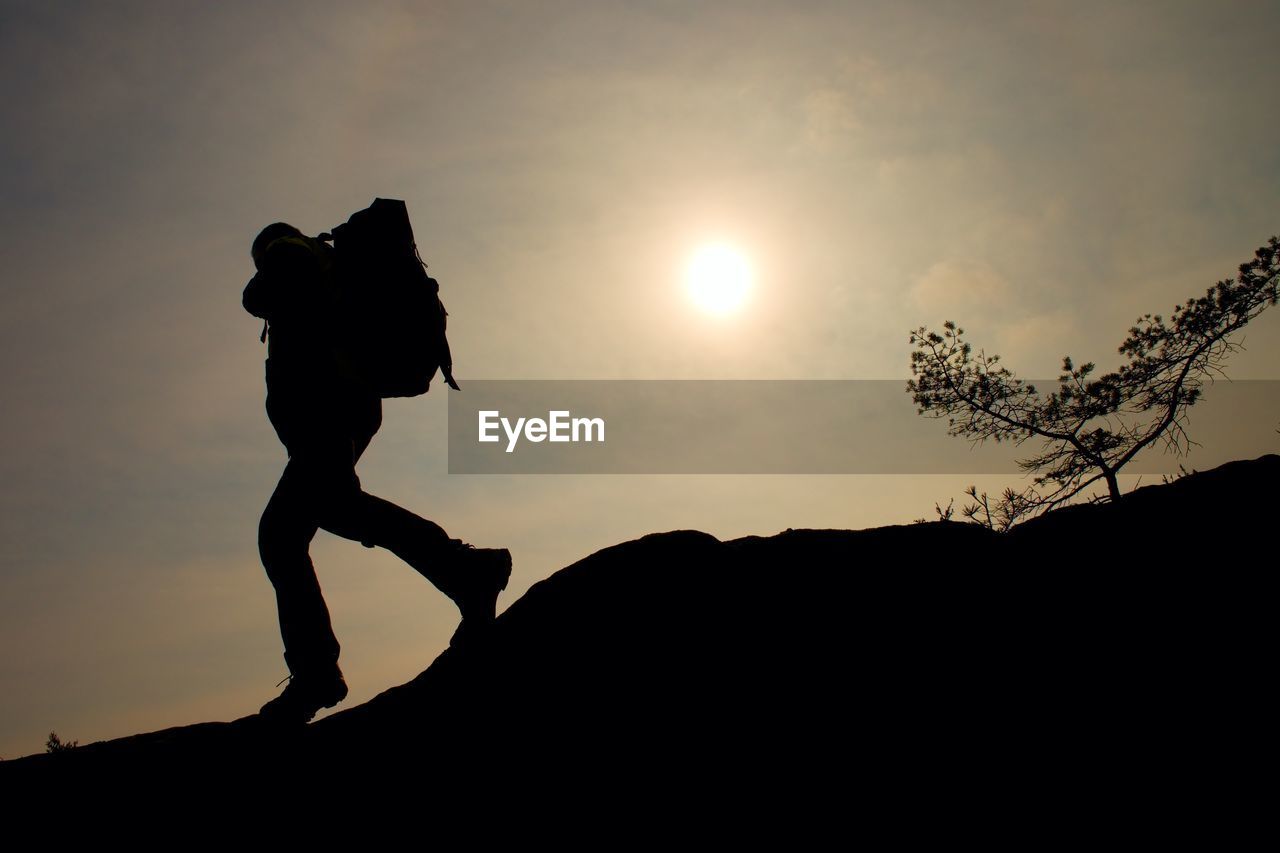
[(284, 537)]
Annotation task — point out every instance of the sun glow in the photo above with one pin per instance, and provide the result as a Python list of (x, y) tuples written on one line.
[(719, 278)]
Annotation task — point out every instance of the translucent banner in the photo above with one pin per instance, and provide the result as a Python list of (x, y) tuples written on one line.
[(776, 427)]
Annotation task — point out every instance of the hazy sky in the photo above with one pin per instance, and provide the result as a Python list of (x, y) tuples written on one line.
[(1041, 172)]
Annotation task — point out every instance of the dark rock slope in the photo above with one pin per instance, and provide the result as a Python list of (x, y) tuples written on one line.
[(1121, 636)]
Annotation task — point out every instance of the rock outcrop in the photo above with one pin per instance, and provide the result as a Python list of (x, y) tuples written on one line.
[(1118, 636)]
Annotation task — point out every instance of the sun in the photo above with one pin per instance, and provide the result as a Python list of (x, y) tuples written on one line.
[(719, 279)]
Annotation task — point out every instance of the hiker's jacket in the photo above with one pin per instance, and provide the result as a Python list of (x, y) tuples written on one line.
[(294, 292), (313, 399)]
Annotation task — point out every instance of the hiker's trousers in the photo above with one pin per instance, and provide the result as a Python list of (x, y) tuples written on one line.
[(325, 434)]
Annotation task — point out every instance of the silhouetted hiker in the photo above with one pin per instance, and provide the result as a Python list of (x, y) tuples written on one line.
[(326, 416)]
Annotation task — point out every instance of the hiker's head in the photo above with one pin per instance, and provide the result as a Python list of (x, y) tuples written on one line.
[(267, 235)]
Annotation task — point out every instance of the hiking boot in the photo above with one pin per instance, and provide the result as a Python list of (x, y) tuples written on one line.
[(472, 578), (303, 697), (479, 574)]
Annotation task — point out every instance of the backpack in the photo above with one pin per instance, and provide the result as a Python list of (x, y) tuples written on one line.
[(391, 320)]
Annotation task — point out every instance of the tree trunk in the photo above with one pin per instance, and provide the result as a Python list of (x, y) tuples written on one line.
[(1112, 484)]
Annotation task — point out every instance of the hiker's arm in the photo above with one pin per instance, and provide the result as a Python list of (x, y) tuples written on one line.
[(287, 272), (257, 297)]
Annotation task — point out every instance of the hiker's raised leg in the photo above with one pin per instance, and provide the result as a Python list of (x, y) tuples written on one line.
[(339, 505), (377, 522)]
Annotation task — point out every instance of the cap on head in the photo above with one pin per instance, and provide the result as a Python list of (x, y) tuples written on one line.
[(268, 235)]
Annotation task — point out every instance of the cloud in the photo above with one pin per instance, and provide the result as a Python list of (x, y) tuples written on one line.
[(1036, 344), (953, 289), (829, 117), (1031, 338)]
